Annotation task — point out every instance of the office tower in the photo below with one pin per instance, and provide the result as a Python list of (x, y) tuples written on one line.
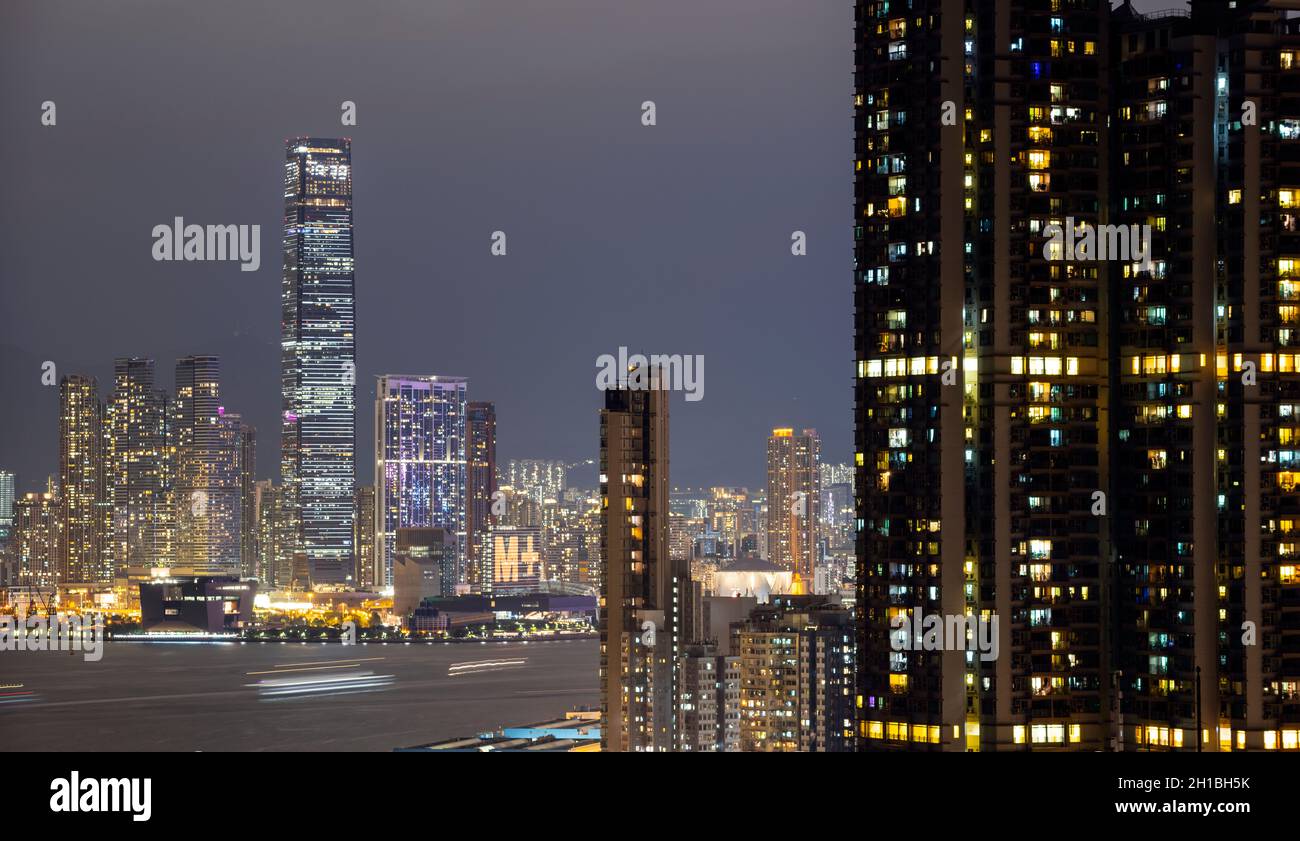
[(539, 479), (364, 540), (480, 485), (81, 482), (318, 356), (419, 459), (6, 505), (207, 486), (424, 566), (708, 702), (38, 533), (796, 676), (514, 555), (140, 466), (794, 500), (642, 598)]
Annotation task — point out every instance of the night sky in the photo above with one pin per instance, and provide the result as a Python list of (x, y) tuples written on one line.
[(472, 116)]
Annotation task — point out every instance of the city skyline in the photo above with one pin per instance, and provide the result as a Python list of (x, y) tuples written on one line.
[(1001, 445), (711, 268)]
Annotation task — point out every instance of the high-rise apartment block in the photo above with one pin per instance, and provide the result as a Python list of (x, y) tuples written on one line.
[(796, 657), (480, 485), (708, 700), (83, 548), (1076, 254), (141, 459), (207, 487), (643, 594), (794, 500)]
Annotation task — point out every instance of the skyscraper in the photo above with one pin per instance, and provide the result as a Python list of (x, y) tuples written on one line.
[(1074, 383), (1207, 379), (794, 501), (981, 428), (318, 355), (246, 471), (37, 537), (6, 504), (141, 466), (207, 486), (82, 491), (481, 483), (264, 511), (365, 537), (276, 558), (642, 592), (419, 460)]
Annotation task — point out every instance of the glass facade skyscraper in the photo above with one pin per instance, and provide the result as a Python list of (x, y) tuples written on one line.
[(419, 460), (318, 356)]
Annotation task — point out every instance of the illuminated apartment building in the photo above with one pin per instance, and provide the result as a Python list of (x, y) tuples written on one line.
[(275, 538), (708, 700), (318, 356), (419, 460), (364, 539), (796, 676), (981, 395), (540, 479), (480, 484), (6, 505), (793, 500), (85, 517), (1098, 451), (1208, 374), (246, 476), (207, 486), (642, 596), (562, 538), (141, 465), (38, 533)]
